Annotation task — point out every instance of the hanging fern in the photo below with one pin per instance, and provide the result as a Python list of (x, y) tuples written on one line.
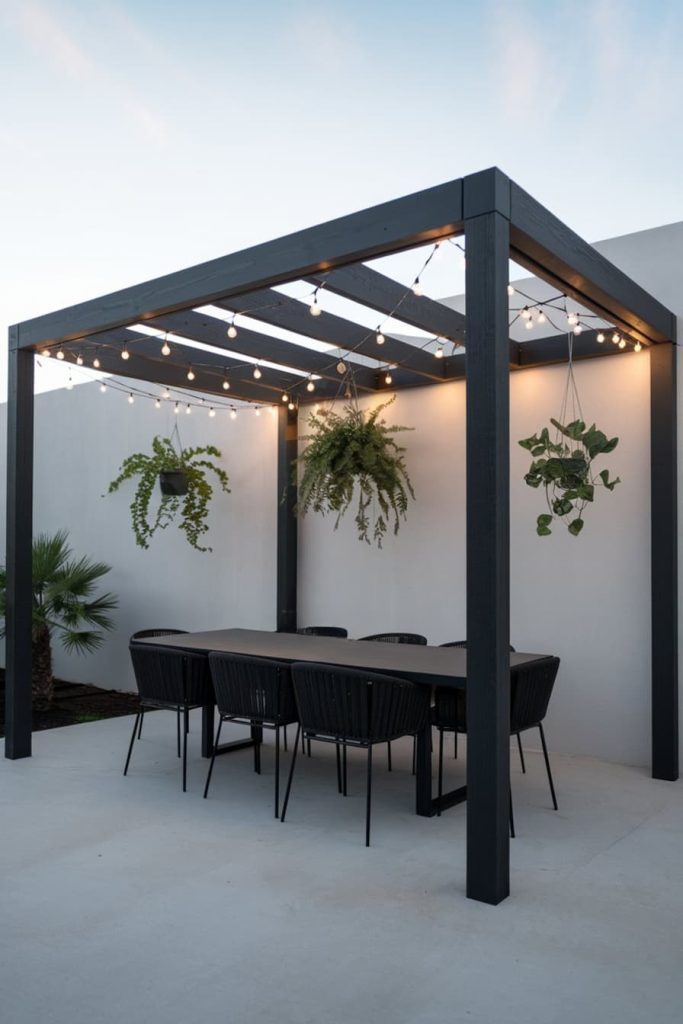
[(355, 452), (193, 506)]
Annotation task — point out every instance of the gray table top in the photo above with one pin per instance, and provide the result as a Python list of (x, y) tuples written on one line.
[(443, 666)]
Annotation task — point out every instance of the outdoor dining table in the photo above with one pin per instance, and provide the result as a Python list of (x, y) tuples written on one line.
[(424, 665)]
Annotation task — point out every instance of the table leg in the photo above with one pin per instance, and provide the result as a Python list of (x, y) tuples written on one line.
[(207, 730), (423, 773)]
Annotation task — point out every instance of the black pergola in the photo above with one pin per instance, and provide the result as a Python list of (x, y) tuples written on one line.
[(499, 221)]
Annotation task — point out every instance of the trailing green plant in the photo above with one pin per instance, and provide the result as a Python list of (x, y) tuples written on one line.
[(64, 606), (192, 504), (355, 452), (564, 468)]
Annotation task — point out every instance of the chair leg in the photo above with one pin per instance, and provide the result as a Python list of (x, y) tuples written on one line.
[(257, 753), (178, 728), (277, 771), (438, 812), (344, 788), (521, 753), (547, 765), (389, 755), (303, 743), (308, 743), (284, 732), (339, 779), (132, 741), (414, 753), (368, 798), (185, 713), (213, 758), (142, 718), (291, 773), (455, 744), (512, 819)]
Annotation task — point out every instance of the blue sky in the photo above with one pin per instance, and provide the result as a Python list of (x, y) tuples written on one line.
[(140, 137)]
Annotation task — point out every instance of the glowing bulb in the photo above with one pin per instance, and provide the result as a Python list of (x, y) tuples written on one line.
[(622, 343), (69, 384), (572, 319), (541, 318), (439, 352), (212, 412), (130, 398), (157, 404), (526, 313), (79, 360), (511, 290), (578, 329), (285, 396), (257, 411), (615, 338), (310, 386), (46, 352), (226, 384), (60, 353), (637, 347), (125, 354), (291, 407), (176, 408), (190, 373), (380, 337), (257, 373), (388, 378), (166, 393), (232, 330), (165, 348), (417, 287), (529, 324), (103, 388), (600, 338), (96, 362), (188, 409), (341, 366), (233, 414), (314, 309)]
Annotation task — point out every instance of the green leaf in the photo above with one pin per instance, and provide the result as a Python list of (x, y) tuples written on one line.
[(609, 484), (575, 527), (542, 525)]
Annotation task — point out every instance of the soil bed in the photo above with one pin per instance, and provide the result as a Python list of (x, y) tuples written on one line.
[(74, 703)]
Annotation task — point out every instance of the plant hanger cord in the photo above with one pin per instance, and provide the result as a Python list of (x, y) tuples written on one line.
[(176, 433), (570, 399)]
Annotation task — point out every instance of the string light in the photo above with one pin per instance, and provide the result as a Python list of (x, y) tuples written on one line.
[(60, 353), (526, 313), (529, 324), (226, 382), (157, 404), (46, 353), (379, 338), (285, 396), (541, 318), (310, 386), (257, 373), (212, 412), (622, 343), (103, 388), (233, 414), (417, 287), (439, 352), (166, 348), (637, 347), (69, 384), (616, 338), (125, 354), (79, 360), (190, 372), (291, 406), (572, 319), (176, 408), (188, 409), (130, 398), (232, 330), (600, 338), (314, 309), (511, 290), (341, 366), (578, 329), (166, 393), (257, 411), (96, 361), (388, 378)]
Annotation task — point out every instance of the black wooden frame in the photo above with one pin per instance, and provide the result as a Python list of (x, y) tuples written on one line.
[(499, 221)]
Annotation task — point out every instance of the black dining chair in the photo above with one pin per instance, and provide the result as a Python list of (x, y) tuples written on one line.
[(174, 680), (352, 708), (531, 686), (397, 638), (463, 643), (145, 634), (334, 631), (256, 692)]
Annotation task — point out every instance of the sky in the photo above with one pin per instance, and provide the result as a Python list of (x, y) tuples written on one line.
[(141, 137)]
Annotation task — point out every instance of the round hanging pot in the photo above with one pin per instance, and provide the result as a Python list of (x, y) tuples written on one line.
[(173, 481)]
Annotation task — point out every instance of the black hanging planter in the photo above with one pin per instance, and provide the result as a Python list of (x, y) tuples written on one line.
[(173, 482)]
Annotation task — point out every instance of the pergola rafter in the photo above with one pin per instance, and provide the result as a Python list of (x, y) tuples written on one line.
[(499, 221)]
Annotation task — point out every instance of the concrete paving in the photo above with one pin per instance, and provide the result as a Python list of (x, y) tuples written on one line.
[(125, 900)]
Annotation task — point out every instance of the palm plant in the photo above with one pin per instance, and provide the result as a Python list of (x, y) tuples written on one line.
[(64, 606)]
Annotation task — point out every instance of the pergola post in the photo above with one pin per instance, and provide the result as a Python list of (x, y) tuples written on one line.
[(287, 527), (488, 555), (18, 614), (664, 536)]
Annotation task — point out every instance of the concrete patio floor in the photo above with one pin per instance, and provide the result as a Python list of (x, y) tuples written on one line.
[(125, 900)]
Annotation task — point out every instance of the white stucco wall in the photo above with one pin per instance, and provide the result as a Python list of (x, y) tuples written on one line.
[(586, 599)]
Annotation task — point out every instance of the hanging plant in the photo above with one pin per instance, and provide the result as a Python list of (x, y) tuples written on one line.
[(563, 464), (185, 489), (355, 453)]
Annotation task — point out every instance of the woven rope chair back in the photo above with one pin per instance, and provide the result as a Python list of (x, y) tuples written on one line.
[(144, 634), (257, 688), (171, 676), (450, 705), (354, 705), (532, 686), (397, 638), (337, 631)]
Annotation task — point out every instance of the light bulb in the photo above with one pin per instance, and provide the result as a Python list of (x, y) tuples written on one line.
[(212, 412), (103, 388), (511, 290), (310, 386), (125, 354), (541, 318), (60, 353), (190, 373), (388, 378), (314, 309), (157, 404), (69, 384), (166, 393), (188, 409), (79, 360), (285, 396), (291, 407), (529, 324), (380, 337), (341, 366), (233, 414), (572, 319), (226, 384), (439, 352), (600, 338), (637, 347), (46, 352), (165, 348), (526, 313), (622, 343), (232, 331), (615, 338), (257, 373), (130, 398), (417, 287), (176, 408), (257, 411), (96, 362), (578, 329)]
